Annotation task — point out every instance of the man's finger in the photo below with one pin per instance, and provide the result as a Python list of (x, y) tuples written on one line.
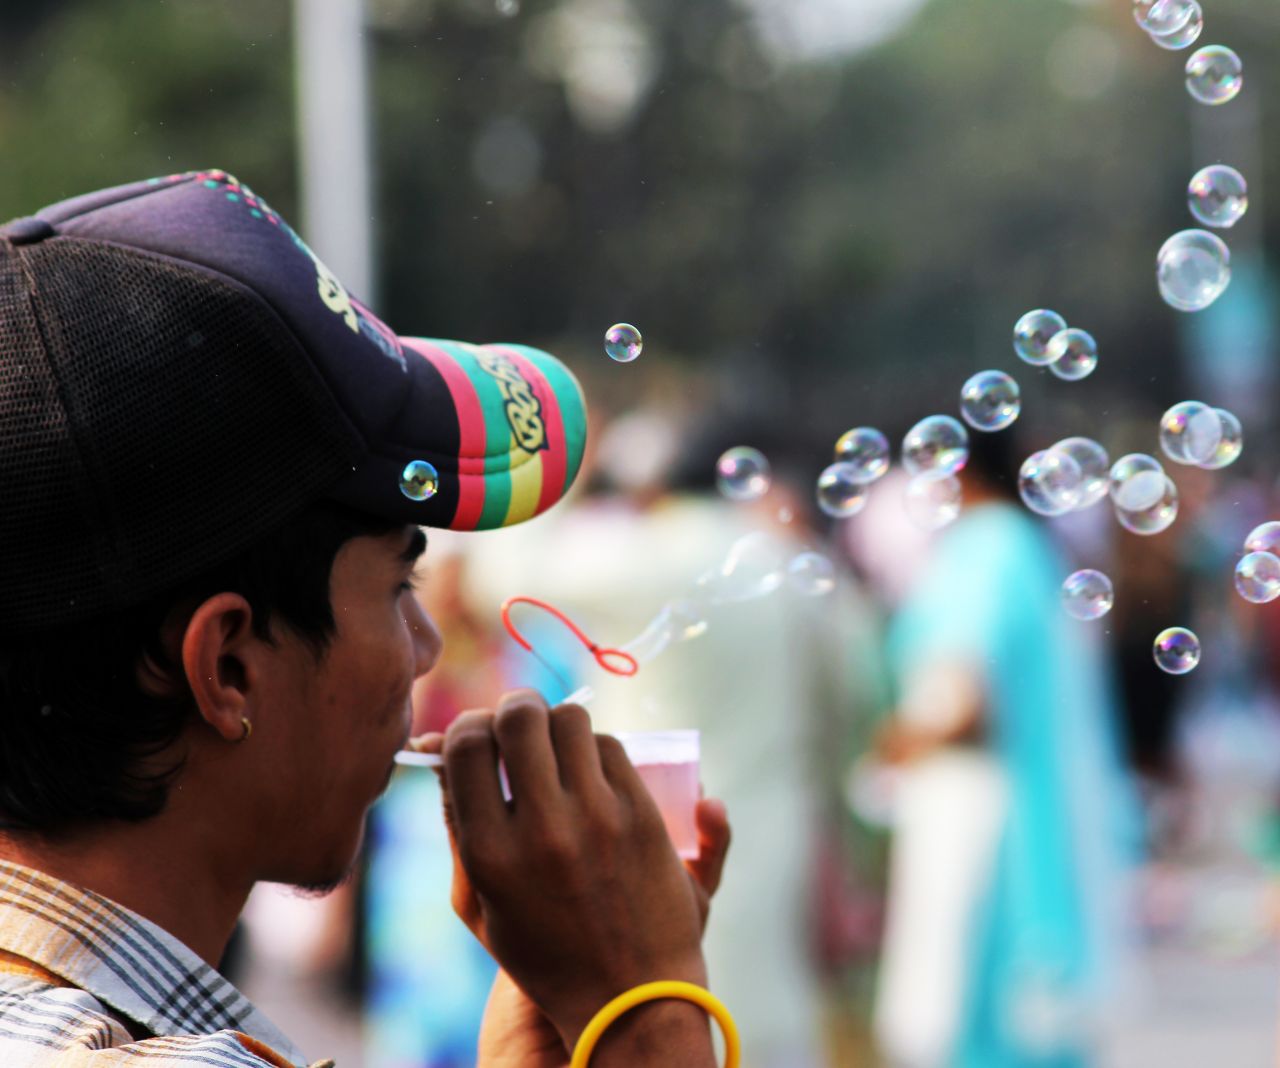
[(714, 835), (471, 765), (523, 730), (577, 754)]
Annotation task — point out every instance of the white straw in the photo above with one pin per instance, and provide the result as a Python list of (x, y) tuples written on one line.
[(419, 760)]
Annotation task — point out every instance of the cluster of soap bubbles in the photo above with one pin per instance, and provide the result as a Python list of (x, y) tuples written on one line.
[(1066, 477), (1193, 267), (1043, 339), (1258, 572)]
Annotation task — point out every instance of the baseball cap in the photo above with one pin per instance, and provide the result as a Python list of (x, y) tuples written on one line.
[(180, 374)]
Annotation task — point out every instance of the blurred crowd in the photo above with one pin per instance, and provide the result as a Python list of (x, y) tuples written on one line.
[(963, 820)]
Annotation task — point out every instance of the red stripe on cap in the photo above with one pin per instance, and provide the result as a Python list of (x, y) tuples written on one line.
[(555, 456), (471, 432)]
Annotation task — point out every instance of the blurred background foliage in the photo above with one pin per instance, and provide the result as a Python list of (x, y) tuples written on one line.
[(826, 224)]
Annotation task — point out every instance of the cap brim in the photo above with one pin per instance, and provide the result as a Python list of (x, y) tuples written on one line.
[(503, 425)]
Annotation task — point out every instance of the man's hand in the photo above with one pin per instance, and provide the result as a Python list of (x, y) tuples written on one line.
[(573, 886)]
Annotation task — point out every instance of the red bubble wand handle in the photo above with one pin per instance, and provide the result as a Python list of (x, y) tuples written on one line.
[(612, 660)]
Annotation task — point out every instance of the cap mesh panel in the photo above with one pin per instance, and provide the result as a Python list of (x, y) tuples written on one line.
[(197, 424)]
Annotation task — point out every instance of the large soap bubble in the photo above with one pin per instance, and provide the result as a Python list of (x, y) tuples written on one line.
[(1032, 334), (1177, 650), (1050, 482), (1095, 468), (1231, 444), (1074, 354), (1147, 503), (1184, 36), (743, 474), (1258, 577), (1193, 269), (990, 401), (1088, 595), (1190, 433), (936, 445), (867, 450), (1163, 16), (1214, 74), (840, 491), (1218, 196)]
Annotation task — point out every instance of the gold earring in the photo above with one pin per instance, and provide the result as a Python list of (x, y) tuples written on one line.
[(248, 728)]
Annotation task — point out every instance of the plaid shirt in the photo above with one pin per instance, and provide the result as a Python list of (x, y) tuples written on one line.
[(85, 983)]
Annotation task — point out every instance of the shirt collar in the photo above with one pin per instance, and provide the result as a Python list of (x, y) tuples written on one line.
[(124, 960)]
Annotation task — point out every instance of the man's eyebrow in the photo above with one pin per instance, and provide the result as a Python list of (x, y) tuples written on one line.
[(416, 547)]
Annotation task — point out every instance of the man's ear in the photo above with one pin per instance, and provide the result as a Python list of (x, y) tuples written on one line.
[(216, 655)]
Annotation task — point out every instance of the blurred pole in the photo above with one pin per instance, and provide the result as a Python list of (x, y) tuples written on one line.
[(333, 131)]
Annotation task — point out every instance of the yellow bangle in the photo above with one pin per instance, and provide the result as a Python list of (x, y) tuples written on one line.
[(624, 1003)]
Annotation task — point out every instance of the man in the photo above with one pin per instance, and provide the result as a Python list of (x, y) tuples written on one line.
[(215, 465)]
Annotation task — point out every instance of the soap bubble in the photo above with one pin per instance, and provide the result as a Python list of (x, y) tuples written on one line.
[(742, 474), (1126, 467), (1088, 595), (811, 574), (508, 8), (1074, 354), (1190, 432), (1258, 577), (1187, 35), (754, 567), (1214, 74), (1095, 468), (1264, 539), (936, 445), (1032, 334), (840, 491), (1162, 16), (1193, 269), (1218, 196), (623, 342), (1147, 503), (1231, 445), (419, 481), (865, 449), (990, 401), (932, 501), (1177, 650), (1050, 482)]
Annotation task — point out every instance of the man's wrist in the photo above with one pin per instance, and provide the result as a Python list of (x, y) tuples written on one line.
[(657, 1033)]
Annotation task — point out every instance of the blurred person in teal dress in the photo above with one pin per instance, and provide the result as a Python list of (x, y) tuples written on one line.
[(1007, 915)]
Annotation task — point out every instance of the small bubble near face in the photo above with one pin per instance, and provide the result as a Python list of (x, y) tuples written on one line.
[(623, 342), (1193, 269), (1218, 196), (990, 401), (419, 481), (1073, 354), (743, 474), (866, 449), (937, 445), (1088, 595), (1176, 651), (839, 491), (1258, 577), (1214, 75), (1032, 334)]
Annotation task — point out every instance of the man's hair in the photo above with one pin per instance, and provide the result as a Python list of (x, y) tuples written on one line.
[(75, 724)]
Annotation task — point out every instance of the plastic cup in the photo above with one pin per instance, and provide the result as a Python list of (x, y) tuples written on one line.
[(668, 763)]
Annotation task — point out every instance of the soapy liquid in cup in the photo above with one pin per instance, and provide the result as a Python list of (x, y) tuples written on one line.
[(668, 765)]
